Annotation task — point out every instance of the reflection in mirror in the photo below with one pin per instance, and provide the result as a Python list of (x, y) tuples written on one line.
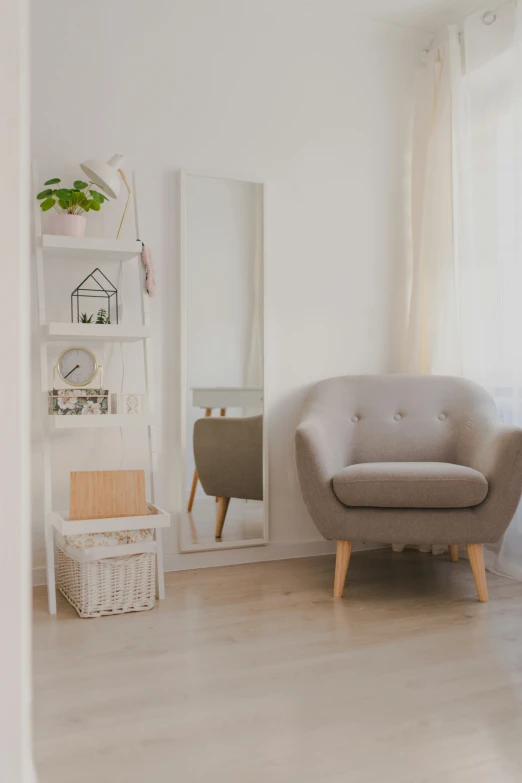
[(222, 260)]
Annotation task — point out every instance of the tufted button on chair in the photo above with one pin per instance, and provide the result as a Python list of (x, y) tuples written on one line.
[(451, 472)]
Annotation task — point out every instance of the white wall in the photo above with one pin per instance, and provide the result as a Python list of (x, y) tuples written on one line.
[(300, 93), (15, 598)]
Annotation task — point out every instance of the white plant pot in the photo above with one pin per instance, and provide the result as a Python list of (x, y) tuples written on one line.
[(67, 225)]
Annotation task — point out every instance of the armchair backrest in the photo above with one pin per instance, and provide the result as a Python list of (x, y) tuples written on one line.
[(400, 418)]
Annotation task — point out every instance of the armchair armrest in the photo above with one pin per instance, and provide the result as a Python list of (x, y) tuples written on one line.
[(497, 454), (496, 450), (321, 450), (317, 452)]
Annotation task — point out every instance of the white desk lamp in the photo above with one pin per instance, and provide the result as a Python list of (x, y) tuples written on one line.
[(107, 177)]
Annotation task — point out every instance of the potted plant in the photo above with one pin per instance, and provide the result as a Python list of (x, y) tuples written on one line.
[(69, 205), (101, 318)]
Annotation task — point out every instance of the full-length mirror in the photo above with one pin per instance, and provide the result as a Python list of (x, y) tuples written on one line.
[(224, 488)]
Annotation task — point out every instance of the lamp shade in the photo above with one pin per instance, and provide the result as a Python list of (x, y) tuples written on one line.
[(105, 175)]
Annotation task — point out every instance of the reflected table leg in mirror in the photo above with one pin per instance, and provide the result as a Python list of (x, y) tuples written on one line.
[(222, 412)]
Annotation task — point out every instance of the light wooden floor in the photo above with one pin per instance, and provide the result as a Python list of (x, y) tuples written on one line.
[(254, 674), (244, 521)]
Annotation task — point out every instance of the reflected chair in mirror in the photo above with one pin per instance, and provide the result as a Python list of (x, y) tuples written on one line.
[(195, 478), (229, 460), (405, 458)]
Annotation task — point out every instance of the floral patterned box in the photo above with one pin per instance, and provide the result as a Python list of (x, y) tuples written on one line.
[(78, 402), (93, 540)]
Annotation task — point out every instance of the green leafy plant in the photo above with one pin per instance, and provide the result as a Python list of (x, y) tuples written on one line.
[(70, 201), (101, 318)]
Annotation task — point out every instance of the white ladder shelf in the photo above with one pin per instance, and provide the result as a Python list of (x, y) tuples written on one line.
[(97, 251)]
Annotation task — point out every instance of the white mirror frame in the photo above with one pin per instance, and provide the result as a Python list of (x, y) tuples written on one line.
[(183, 547)]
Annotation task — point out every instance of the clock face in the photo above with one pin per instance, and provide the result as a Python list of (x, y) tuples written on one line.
[(77, 366)]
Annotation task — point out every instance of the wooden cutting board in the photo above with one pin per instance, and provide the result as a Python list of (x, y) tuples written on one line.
[(97, 494)]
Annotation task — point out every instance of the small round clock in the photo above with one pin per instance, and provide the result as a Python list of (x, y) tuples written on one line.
[(77, 366)]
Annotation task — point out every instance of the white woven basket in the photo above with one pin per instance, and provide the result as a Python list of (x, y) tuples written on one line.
[(110, 585)]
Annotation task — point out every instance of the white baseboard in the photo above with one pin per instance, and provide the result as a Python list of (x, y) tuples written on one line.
[(284, 550)]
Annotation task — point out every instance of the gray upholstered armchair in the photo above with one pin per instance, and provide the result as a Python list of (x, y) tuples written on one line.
[(419, 459), (229, 460)]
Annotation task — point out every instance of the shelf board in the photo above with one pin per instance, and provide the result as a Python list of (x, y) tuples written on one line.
[(157, 518), (103, 421), (90, 248), (108, 332)]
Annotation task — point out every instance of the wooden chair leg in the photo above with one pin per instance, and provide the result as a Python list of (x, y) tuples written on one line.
[(454, 552), (195, 479), (344, 550), (476, 559), (221, 514), (193, 491)]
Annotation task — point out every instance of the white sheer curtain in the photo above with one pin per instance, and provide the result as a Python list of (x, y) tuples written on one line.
[(433, 315), (254, 363), (488, 146), (471, 316), (254, 368), (433, 311)]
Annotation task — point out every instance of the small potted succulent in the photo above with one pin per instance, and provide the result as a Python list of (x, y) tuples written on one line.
[(69, 206), (101, 318)]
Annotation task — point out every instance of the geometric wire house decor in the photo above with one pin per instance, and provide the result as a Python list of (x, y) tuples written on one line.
[(95, 286)]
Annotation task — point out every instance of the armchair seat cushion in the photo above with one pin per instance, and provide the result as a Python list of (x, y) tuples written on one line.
[(410, 485)]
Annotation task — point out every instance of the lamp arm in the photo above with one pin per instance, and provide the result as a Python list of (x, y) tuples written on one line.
[(122, 175)]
